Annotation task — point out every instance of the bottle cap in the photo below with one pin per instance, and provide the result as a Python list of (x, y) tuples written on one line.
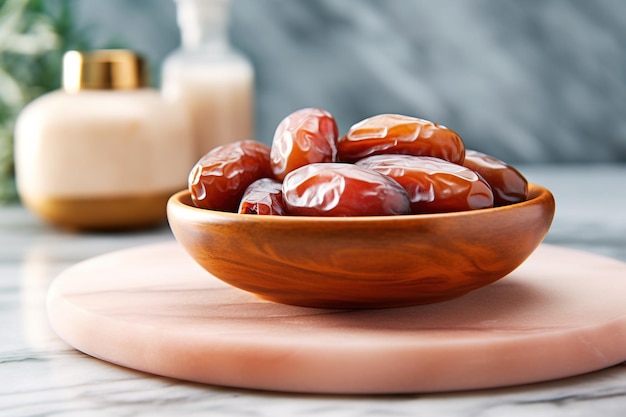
[(202, 21), (106, 69)]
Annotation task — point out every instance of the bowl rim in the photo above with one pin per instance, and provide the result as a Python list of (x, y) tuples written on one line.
[(181, 200)]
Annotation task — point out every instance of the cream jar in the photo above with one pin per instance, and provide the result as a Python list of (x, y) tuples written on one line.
[(106, 151)]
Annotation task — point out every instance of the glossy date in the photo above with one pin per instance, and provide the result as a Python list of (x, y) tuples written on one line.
[(508, 184), (399, 134), (304, 137), (263, 197), (433, 185), (339, 189), (219, 178)]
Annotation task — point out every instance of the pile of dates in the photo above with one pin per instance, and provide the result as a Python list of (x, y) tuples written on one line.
[(388, 164)]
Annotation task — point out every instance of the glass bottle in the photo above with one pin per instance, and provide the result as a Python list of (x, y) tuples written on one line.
[(213, 81), (104, 152)]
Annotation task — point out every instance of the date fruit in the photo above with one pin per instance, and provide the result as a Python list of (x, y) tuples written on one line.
[(220, 177), (304, 137), (398, 134), (264, 197), (387, 164), (433, 185), (340, 189), (508, 184)]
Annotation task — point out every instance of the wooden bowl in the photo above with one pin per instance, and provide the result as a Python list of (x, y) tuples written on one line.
[(362, 262)]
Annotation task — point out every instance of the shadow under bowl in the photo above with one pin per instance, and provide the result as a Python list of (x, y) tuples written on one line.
[(362, 262)]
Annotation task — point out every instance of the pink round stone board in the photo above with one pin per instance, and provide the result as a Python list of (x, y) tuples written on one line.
[(151, 308)]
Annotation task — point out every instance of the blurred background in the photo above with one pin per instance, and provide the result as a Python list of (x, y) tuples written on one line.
[(534, 81)]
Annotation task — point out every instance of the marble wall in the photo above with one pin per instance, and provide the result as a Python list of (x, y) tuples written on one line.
[(527, 81)]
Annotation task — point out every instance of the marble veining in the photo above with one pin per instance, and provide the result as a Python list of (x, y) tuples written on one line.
[(525, 81), (41, 376)]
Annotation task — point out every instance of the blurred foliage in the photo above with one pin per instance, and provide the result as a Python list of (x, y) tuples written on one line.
[(34, 34)]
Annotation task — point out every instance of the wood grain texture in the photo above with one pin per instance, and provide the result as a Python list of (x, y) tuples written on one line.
[(362, 262)]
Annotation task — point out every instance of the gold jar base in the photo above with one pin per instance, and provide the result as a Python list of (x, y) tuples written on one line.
[(101, 213)]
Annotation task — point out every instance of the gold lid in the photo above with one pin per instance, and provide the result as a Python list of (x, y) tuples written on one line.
[(107, 69)]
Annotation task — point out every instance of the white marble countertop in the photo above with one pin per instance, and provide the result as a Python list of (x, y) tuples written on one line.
[(42, 376)]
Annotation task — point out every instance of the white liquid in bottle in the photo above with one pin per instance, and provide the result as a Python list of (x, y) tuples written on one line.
[(209, 78)]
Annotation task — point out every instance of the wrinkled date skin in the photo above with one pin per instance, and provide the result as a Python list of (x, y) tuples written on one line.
[(399, 134), (263, 197), (219, 178), (433, 185), (508, 184), (304, 137), (338, 189)]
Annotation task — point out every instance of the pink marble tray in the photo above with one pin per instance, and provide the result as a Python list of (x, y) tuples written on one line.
[(151, 308)]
